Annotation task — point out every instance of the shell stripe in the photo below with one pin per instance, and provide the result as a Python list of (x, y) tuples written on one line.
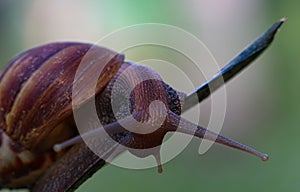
[(18, 71), (36, 89), (34, 93)]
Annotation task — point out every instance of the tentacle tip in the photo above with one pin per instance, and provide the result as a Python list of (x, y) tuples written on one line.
[(57, 148), (159, 166), (265, 157), (159, 169)]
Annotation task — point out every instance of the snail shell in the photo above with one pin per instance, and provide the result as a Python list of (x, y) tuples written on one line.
[(36, 104), (36, 91)]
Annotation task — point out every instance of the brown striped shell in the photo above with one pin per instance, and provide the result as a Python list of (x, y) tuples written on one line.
[(36, 90)]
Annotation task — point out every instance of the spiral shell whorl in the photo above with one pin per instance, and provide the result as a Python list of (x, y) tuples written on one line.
[(36, 89)]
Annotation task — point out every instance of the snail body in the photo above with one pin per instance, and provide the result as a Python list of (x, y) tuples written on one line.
[(37, 107), (36, 104)]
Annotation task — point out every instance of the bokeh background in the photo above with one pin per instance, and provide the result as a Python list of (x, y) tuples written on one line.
[(262, 103)]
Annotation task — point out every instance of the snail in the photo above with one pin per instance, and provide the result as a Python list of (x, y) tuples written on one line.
[(37, 106)]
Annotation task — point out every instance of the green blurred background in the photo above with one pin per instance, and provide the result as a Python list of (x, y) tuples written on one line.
[(262, 102)]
